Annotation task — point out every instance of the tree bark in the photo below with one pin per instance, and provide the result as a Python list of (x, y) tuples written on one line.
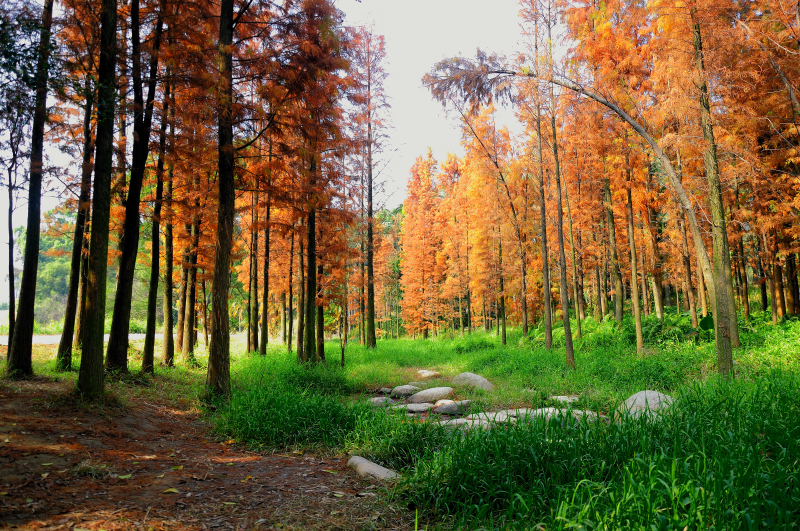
[(190, 319), (168, 342), (252, 318), (309, 337), (117, 354), (148, 352), (547, 303), (20, 351), (265, 296), (575, 291), (218, 379), (612, 243), (290, 314), (64, 355), (301, 305), (637, 312), (182, 290), (90, 376), (687, 271)]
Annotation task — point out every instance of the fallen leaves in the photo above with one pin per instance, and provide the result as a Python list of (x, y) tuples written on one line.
[(170, 491)]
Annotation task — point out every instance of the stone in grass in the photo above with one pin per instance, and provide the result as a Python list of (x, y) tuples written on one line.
[(466, 424), (565, 399), (553, 412), (645, 402), (425, 374), (368, 468), (381, 401), (431, 395), (384, 391), (443, 401), (402, 391), (415, 408), (473, 380), (452, 408)]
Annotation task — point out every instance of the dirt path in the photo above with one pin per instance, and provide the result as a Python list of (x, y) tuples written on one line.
[(153, 466)]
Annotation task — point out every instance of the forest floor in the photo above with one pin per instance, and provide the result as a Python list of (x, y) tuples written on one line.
[(147, 461)]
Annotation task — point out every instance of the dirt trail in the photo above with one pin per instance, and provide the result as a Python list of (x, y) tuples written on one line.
[(150, 465)]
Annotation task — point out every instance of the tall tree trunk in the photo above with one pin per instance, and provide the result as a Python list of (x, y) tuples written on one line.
[(301, 305), (290, 315), (501, 318), (168, 342), (546, 294), (20, 363), (283, 317), (148, 353), (643, 281), (612, 242), (780, 288), (762, 280), (91, 375), (64, 355), (370, 339), (701, 290), (182, 290), (726, 325), (745, 283), (80, 318), (575, 291), (11, 309), (310, 342), (265, 296), (253, 317), (190, 320), (117, 354), (218, 379), (687, 271), (205, 310), (637, 312), (320, 320)]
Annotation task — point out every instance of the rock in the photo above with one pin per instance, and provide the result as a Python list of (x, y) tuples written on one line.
[(491, 416), (402, 391), (564, 399), (384, 391), (466, 424), (444, 401), (430, 395), (381, 401), (645, 402), (552, 412), (473, 380), (368, 468), (425, 374), (420, 407), (452, 408)]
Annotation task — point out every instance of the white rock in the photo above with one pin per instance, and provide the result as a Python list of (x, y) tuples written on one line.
[(368, 468), (381, 401), (431, 395), (565, 399), (402, 391), (425, 374), (474, 380), (444, 401), (452, 408), (645, 402)]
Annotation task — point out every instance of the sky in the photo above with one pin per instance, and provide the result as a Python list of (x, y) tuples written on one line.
[(418, 34)]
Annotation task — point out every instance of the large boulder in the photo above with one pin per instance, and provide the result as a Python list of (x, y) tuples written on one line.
[(430, 395), (473, 380), (403, 391), (645, 402), (368, 468)]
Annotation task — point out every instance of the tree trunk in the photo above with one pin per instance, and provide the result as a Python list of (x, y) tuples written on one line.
[(20, 351), (90, 376), (148, 353), (612, 242), (643, 281), (687, 271), (575, 290), (310, 342), (182, 290), (546, 302), (168, 342), (190, 319), (501, 318), (117, 354), (301, 306), (745, 282), (265, 296), (253, 295), (320, 321), (80, 318), (290, 314), (218, 379), (11, 311), (205, 310), (637, 312), (370, 339), (727, 327), (64, 355)]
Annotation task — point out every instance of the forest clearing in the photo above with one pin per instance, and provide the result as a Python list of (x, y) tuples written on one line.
[(581, 314)]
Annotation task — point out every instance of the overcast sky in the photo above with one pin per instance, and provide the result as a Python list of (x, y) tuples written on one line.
[(418, 34)]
